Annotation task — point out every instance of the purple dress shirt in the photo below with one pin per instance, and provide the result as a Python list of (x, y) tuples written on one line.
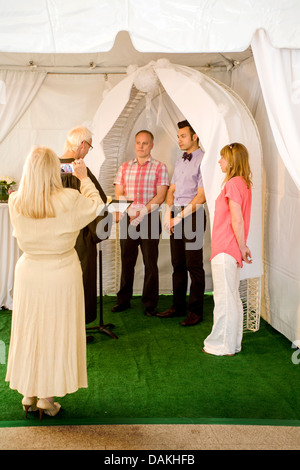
[(187, 178)]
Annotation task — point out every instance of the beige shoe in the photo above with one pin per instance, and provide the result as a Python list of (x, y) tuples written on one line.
[(44, 406), (29, 404)]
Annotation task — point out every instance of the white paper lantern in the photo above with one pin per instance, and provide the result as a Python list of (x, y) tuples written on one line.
[(146, 80)]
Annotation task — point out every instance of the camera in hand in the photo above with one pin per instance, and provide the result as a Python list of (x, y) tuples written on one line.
[(67, 168)]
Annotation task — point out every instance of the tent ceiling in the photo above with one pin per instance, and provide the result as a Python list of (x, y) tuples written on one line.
[(117, 59), (74, 26)]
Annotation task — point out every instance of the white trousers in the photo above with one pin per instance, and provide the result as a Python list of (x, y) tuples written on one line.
[(227, 332)]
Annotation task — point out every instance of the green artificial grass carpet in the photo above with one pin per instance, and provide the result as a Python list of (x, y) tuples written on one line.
[(155, 372)]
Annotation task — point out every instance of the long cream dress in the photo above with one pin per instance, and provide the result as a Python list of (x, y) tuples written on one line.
[(47, 353)]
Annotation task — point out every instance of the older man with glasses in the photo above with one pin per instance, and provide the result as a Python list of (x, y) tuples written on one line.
[(78, 144)]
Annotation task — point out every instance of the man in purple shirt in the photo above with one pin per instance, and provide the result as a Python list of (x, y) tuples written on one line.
[(185, 221)]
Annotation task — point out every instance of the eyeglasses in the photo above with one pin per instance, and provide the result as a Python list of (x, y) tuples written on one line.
[(91, 147)]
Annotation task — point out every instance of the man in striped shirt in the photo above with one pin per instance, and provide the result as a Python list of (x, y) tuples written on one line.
[(144, 181)]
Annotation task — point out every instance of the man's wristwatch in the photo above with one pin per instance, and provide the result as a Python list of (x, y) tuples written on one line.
[(179, 215)]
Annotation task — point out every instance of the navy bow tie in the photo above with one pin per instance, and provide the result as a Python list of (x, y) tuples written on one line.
[(187, 156)]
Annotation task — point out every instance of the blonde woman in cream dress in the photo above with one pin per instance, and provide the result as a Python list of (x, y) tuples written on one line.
[(47, 353)]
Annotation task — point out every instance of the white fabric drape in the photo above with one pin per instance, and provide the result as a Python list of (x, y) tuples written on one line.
[(244, 82), (9, 254), (20, 90), (279, 76)]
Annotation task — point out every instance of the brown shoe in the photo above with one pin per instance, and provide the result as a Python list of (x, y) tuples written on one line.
[(168, 313), (191, 319)]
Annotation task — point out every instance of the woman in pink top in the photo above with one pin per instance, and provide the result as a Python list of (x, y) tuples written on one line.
[(228, 251)]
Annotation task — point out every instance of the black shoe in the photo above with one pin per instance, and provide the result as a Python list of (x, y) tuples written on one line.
[(120, 307)]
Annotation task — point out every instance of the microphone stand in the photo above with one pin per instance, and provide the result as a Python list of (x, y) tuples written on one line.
[(101, 327)]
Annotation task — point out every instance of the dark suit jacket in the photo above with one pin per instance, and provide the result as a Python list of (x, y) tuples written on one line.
[(86, 244)]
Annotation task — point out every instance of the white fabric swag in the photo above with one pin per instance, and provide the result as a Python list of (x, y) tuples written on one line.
[(18, 91), (279, 75)]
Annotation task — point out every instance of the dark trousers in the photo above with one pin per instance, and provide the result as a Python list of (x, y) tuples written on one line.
[(145, 236), (187, 257)]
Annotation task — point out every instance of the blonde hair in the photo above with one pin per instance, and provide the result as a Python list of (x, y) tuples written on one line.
[(237, 158), (76, 136), (40, 179)]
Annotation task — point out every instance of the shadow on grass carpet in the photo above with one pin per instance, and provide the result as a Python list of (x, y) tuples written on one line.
[(156, 373)]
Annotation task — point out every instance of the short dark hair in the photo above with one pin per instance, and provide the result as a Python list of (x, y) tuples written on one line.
[(186, 123), (147, 132)]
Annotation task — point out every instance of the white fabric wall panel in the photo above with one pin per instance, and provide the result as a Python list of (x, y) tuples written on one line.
[(281, 286), (18, 91), (63, 101)]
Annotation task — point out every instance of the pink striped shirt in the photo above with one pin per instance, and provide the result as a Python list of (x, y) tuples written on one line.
[(140, 182)]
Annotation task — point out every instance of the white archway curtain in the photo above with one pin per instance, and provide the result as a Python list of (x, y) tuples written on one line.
[(18, 91), (279, 75)]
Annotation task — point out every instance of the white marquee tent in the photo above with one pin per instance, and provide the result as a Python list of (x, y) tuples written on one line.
[(61, 61)]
